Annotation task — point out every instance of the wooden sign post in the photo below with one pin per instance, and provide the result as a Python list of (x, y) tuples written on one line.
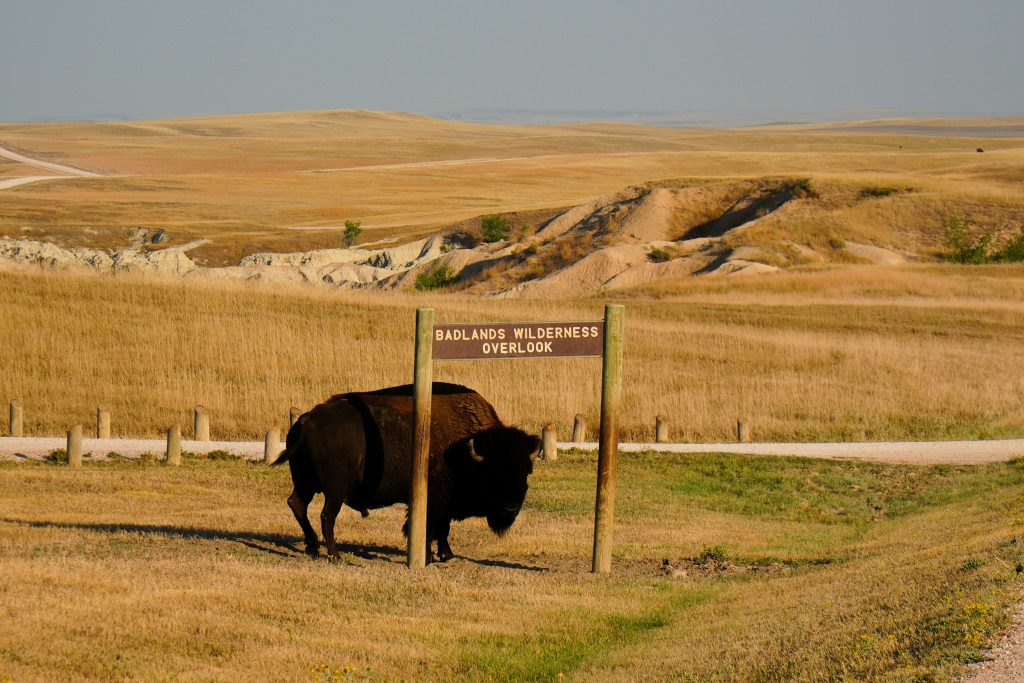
[(608, 441), (466, 341), (423, 390)]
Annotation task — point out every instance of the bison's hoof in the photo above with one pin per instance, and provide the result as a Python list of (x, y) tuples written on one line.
[(313, 551), (445, 556)]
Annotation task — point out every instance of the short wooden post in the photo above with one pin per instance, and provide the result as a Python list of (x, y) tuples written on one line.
[(743, 430), (550, 442), (272, 445), (660, 429), (579, 429), (173, 456), (608, 441), (17, 418), (293, 415), (201, 424), (422, 396), (74, 448), (103, 422)]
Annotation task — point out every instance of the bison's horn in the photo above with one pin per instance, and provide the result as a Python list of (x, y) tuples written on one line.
[(473, 454)]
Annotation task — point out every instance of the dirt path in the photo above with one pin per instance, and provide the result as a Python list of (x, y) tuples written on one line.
[(453, 162), (917, 453), (419, 164), (71, 171), (48, 165), (25, 180)]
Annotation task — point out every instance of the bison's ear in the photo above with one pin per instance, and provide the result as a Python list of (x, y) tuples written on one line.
[(473, 454)]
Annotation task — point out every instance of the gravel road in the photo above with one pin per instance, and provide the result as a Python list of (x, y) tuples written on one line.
[(1005, 661), (48, 165), (38, 447), (8, 183), (909, 452)]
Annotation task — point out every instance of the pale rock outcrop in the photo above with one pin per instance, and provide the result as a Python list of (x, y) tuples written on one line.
[(172, 260), (877, 255)]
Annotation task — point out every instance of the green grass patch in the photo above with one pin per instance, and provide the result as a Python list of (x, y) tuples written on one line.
[(792, 489), (571, 641)]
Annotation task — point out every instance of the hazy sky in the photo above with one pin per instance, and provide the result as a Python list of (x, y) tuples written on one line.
[(146, 58)]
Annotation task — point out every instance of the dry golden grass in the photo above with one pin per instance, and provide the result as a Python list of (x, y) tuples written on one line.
[(242, 181), (924, 352), (835, 571), (794, 570)]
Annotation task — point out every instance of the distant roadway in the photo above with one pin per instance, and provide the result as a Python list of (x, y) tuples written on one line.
[(8, 183)]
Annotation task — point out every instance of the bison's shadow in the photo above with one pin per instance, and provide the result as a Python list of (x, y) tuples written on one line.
[(255, 541)]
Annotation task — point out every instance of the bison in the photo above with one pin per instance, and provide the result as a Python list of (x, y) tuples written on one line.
[(356, 449)]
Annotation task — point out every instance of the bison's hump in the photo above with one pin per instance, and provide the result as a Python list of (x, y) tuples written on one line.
[(439, 389)]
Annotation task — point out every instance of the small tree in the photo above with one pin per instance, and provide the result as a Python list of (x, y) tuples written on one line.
[(352, 231), (963, 247), (435, 278), (495, 228)]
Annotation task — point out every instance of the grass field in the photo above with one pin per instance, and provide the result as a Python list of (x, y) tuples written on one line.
[(726, 568), (926, 352), (243, 181)]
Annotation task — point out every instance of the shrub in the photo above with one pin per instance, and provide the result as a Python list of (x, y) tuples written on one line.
[(879, 191), (711, 554), (971, 564), (803, 188), (658, 255), (964, 248), (435, 278), (220, 454), (495, 228), (352, 231), (1012, 251)]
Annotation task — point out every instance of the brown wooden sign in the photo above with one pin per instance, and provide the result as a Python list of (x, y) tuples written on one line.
[(518, 340)]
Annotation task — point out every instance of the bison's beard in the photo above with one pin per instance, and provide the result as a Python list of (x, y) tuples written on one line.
[(501, 520)]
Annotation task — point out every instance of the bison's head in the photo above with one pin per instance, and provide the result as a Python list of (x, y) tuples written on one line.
[(501, 460)]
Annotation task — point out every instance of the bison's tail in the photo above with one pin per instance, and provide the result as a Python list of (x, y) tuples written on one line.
[(293, 443)]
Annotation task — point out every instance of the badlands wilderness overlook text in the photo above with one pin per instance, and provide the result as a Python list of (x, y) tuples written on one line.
[(518, 340)]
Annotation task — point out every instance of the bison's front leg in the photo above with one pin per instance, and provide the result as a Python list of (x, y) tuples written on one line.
[(332, 506), (444, 551), (299, 503)]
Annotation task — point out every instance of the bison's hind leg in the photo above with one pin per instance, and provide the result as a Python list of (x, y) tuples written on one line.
[(299, 503)]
